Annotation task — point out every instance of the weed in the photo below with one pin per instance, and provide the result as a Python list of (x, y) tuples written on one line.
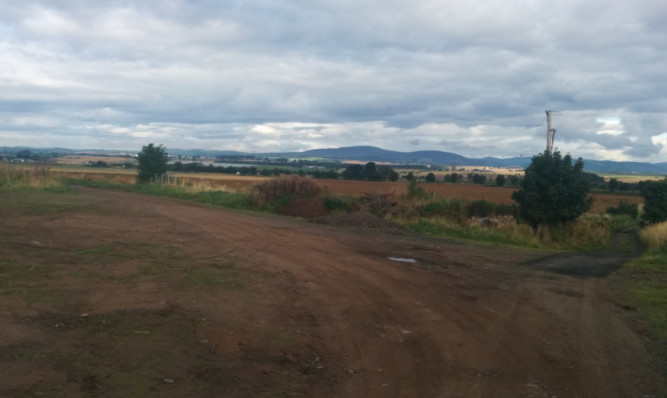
[(655, 236), (21, 176), (645, 286), (284, 189), (624, 208), (623, 223), (340, 204)]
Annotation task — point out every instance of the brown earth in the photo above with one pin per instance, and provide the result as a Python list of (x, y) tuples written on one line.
[(116, 294), (353, 188)]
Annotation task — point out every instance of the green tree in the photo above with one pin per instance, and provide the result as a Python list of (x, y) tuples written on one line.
[(553, 191), (478, 179), (453, 177), (24, 154), (152, 160), (500, 180), (655, 201), (387, 173), (430, 177), (613, 184), (414, 190)]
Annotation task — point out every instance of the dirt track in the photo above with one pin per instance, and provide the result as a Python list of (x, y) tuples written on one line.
[(322, 311)]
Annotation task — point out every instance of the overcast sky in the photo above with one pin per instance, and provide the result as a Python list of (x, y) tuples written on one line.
[(470, 77)]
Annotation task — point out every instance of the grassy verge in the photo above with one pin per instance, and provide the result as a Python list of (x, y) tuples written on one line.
[(231, 200), (425, 213), (644, 282)]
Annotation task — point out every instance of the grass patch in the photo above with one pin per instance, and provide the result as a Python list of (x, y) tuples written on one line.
[(655, 236), (12, 176), (515, 236), (220, 197), (645, 288), (199, 277)]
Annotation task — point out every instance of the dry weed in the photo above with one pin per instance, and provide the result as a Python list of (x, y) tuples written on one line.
[(655, 236), (36, 176), (285, 187)]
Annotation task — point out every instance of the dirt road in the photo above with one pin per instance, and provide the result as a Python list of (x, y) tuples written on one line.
[(304, 310)]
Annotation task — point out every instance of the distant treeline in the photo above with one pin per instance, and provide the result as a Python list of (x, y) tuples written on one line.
[(372, 172), (251, 170), (368, 172)]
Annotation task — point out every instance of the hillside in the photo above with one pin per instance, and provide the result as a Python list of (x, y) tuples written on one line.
[(369, 153)]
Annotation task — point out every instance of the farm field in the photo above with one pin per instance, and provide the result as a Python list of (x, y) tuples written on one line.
[(106, 293), (347, 187)]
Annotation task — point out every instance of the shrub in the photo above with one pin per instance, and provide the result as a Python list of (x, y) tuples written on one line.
[(655, 201), (337, 203), (624, 208), (655, 236), (284, 189), (453, 209), (414, 190), (506, 210), (553, 191), (480, 208)]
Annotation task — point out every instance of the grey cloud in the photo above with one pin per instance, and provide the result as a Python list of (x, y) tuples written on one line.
[(377, 73)]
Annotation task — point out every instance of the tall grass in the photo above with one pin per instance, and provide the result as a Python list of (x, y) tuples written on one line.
[(284, 189), (464, 219), (27, 176), (655, 236)]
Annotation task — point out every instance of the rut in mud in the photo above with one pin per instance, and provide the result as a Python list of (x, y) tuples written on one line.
[(156, 297)]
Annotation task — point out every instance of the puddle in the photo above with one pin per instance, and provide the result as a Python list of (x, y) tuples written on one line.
[(403, 259)]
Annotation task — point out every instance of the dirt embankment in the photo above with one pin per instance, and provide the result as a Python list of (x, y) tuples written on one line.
[(246, 305)]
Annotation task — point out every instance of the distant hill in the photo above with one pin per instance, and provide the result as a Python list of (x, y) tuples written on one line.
[(370, 153), (374, 154)]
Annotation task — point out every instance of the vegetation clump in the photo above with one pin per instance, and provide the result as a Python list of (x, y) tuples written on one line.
[(21, 176), (152, 160), (553, 190), (655, 201), (369, 172), (285, 189)]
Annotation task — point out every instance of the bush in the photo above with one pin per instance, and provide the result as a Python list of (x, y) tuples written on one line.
[(655, 236), (453, 209), (480, 208), (506, 210), (284, 189), (414, 190), (337, 203), (624, 208), (553, 191), (655, 201)]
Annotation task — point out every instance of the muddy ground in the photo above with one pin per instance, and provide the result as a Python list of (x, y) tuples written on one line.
[(115, 294)]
